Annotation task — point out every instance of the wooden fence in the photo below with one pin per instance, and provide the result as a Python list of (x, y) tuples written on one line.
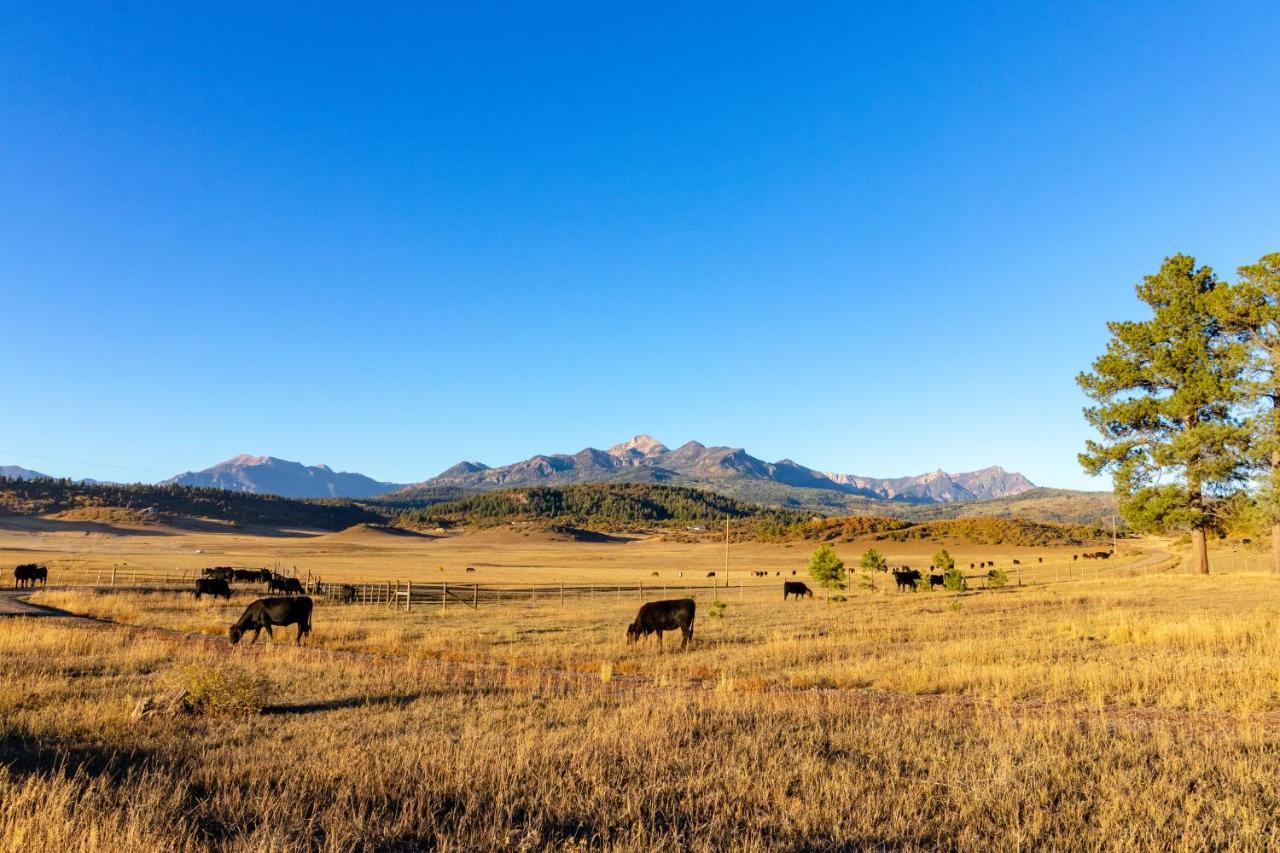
[(443, 594)]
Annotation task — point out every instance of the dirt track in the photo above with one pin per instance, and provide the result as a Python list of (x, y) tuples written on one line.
[(11, 604)]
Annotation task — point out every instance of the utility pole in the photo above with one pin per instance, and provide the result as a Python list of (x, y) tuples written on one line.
[(726, 552)]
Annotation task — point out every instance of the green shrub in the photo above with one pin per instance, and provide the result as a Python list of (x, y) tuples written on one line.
[(837, 598), (954, 579), (944, 561), (997, 578), (716, 610)]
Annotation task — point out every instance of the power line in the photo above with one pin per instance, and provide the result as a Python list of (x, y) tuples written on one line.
[(80, 462)]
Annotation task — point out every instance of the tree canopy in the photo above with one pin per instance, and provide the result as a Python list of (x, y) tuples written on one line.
[(1165, 392)]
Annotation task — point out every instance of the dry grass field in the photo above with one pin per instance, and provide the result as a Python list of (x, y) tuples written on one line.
[(1131, 705)]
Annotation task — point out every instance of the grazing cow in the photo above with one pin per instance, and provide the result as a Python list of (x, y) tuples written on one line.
[(793, 573), (711, 574), (29, 574), (1075, 557), (797, 588), (658, 616), (777, 574), (346, 594), (219, 573), (210, 586), (651, 574), (266, 612), (936, 581), (289, 586), (1017, 562), (1039, 559), (246, 575), (473, 568), (971, 565), (906, 580)]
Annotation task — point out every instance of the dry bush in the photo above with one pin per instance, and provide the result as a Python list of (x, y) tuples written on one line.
[(220, 689)]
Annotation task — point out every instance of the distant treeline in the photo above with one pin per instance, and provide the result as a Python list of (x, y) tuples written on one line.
[(39, 497), (607, 505)]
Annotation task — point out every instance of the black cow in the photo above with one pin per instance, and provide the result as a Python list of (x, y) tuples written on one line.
[(346, 594), (797, 588), (289, 586), (210, 586), (247, 575), (473, 568), (937, 580), (711, 574), (1017, 562), (1075, 557), (28, 574), (266, 612), (906, 580), (658, 616), (219, 573)]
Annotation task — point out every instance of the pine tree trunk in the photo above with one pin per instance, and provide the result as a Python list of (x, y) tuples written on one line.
[(1199, 551), (1275, 522), (1275, 548)]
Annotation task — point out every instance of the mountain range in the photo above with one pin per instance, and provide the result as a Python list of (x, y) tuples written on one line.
[(728, 470), (15, 472), (271, 476)]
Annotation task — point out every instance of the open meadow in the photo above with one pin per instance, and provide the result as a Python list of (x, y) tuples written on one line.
[(1117, 703)]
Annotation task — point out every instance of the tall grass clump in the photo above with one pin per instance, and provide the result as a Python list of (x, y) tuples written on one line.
[(220, 690)]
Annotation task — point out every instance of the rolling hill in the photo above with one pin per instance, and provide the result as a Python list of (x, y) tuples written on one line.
[(154, 504)]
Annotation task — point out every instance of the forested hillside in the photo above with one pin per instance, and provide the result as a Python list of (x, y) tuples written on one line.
[(42, 497)]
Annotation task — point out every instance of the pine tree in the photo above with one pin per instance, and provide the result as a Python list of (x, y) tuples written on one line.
[(826, 569), (1253, 312), (873, 561), (1165, 390)]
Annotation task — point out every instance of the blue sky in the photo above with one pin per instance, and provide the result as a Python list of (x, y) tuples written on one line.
[(875, 240)]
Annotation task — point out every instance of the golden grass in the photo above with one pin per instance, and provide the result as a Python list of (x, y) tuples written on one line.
[(1119, 710)]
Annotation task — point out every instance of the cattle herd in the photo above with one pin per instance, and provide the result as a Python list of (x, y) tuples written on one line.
[(294, 608), (29, 574)]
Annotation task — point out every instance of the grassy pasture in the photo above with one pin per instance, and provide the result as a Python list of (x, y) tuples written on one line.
[(1122, 708)]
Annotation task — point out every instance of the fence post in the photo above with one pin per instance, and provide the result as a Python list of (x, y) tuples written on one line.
[(642, 589), (562, 595), (475, 596), (444, 596), (408, 597), (113, 575)]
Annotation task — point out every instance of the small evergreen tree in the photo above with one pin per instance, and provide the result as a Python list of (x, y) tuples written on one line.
[(944, 561), (826, 569), (873, 561)]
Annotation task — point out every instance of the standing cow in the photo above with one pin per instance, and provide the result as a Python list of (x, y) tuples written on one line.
[(211, 586), (906, 580)]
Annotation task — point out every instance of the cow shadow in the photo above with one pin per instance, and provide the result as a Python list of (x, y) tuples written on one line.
[(397, 700)]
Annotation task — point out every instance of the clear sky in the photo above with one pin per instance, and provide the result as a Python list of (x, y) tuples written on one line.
[(878, 239)]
